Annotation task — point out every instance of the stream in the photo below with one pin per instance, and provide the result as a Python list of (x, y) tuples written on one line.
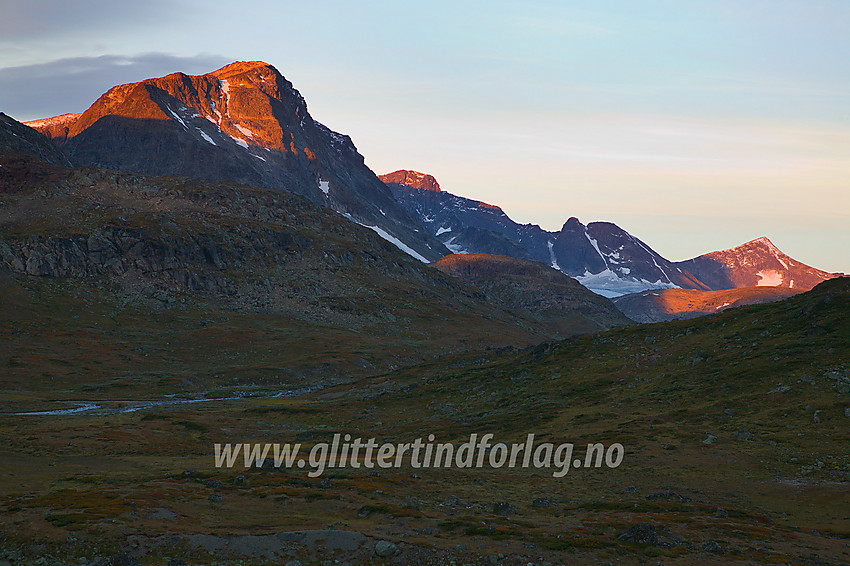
[(119, 406)]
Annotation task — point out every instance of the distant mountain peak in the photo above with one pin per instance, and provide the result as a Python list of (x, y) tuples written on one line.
[(414, 179), (755, 263), (239, 67), (572, 223), (761, 240), (765, 242)]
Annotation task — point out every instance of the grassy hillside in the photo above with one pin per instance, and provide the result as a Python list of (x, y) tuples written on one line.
[(118, 277), (734, 426), (553, 299)]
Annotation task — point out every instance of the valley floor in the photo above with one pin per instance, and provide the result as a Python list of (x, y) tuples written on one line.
[(735, 431)]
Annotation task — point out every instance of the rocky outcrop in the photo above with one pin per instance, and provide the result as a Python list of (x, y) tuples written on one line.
[(257, 248), (185, 262)]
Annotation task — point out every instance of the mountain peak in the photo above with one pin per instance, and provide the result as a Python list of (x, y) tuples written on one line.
[(757, 263), (411, 178), (572, 223), (244, 122), (763, 241), (239, 67)]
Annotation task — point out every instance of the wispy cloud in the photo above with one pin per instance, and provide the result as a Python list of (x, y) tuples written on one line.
[(73, 84)]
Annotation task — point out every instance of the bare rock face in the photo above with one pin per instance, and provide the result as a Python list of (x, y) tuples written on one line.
[(414, 179), (601, 255), (244, 123)]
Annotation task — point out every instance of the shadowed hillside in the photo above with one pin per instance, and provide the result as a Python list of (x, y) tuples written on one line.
[(546, 294)]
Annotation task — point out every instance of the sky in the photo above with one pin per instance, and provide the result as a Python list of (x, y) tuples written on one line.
[(694, 125)]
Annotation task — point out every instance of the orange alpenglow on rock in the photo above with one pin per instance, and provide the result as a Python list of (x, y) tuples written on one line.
[(413, 179)]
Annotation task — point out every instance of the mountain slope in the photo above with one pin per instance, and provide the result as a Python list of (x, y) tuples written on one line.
[(16, 138), (755, 263), (614, 261), (601, 255), (659, 305), (317, 294), (465, 225), (528, 286), (244, 123)]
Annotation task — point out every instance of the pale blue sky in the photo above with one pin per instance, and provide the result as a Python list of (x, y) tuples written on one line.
[(694, 125)]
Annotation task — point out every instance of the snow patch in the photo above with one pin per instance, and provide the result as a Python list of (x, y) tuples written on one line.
[(769, 278), (240, 141), (607, 293), (176, 117), (398, 243), (391, 239), (717, 308), (455, 248), (244, 130), (324, 186), (443, 230), (596, 247), (225, 90), (552, 255), (206, 137), (609, 284)]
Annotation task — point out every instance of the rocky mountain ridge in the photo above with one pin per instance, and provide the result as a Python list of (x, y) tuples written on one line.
[(243, 123), (145, 240), (601, 255)]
